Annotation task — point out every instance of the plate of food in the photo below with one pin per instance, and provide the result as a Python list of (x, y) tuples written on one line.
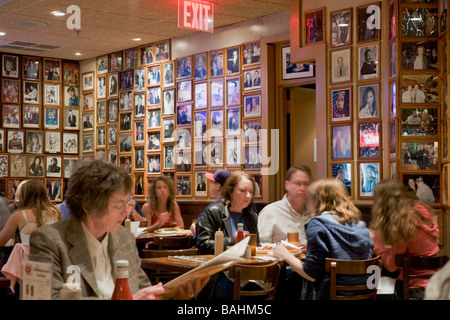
[(166, 231), (267, 248)]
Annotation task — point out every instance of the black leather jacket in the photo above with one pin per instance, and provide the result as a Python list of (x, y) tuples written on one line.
[(218, 216)]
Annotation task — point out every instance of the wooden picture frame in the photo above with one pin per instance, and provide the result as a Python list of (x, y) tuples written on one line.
[(87, 81), (420, 156), (71, 119), (233, 60), (113, 110), (168, 129), (52, 70), (201, 124), (102, 64), (71, 73), (35, 141), (445, 188), (113, 134), (251, 53), (252, 79), (168, 74), (51, 118), (341, 27), (52, 94), (36, 166), (115, 61), (52, 142), (184, 91), (126, 80), (53, 187), (427, 186), (88, 101), (146, 54), (341, 104), (392, 139), (369, 102), (2, 141), (368, 17), (125, 142), (183, 158), (11, 116), (126, 119), (154, 118), (393, 51), (139, 132), (154, 163), (4, 165), (413, 123), (70, 142), (71, 96), (341, 66), (169, 102), (217, 125), (233, 151), (154, 75), (126, 100), (252, 131), (184, 138), (31, 92), (126, 162), (183, 184), (216, 58), (369, 61), (131, 58), (11, 91), (10, 66), (341, 142), (201, 153), (100, 154), (201, 184), (421, 88), (184, 67), (216, 152), (169, 157), (53, 165), (200, 64), (113, 84), (314, 26), (421, 55), (88, 120), (343, 171), (252, 106), (153, 96), (31, 68), (139, 105), (443, 16), (233, 121), (200, 95), (294, 70), (370, 140), (217, 93), (88, 143), (100, 137), (162, 50), (69, 164), (252, 156), (139, 185), (101, 111), (419, 21), (392, 98), (18, 166), (233, 91), (139, 80), (101, 87), (154, 141), (369, 174), (31, 116), (139, 159)]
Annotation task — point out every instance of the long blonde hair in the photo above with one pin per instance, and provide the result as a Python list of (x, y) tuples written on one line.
[(331, 195), (393, 214)]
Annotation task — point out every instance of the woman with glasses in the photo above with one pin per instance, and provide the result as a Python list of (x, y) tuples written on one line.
[(87, 246), (162, 211)]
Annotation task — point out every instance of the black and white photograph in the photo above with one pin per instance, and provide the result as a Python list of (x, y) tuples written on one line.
[(53, 141), (31, 92), (184, 114), (139, 132), (201, 184), (368, 61), (126, 163), (71, 119), (11, 116), (252, 157), (154, 118), (294, 70), (126, 100), (139, 158), (31, 68), (234, 151), (200, 124), (53, 165), (184, 67), (200, 61), (88, 120), (251, 53), (4, 165), (233, 60), (419, 122), (443, 16), (419, 22), (126, 80), (2, 140), (70, 143), (169, 157), (101, 87), (420, 88), (35, 141), (139, 188), (101, 137), (153, 163), (341, 27), (252, 131), (184, 138), (426, 187), (102, 64), (154, 75), (343, 172), (420, 55), (368, 175), (369, 101), (216, 154), (113, 84), (154, 141), (153, 96), (113, 110), (88, 143), (139, 105), (183, 186), (10, 66), (216, 88), (169, 102), (88, 81), (368, 18), (52, 96), (112, 156), (125, 121), (126, 142), (112, 135), (252, 80), (341, 66), (69, 165), (420, 156), (201, 95), (18, 166), (139, 79), (101, 111), (36, 166), (168, 130), (200, 153), (168, 74)]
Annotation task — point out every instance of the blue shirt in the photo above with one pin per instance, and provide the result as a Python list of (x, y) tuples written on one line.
[(65, 211), (235, 219)]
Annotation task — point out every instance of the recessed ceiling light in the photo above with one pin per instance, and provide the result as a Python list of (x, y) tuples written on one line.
[(58, 13), (2, 33), (136, 39), (78, 54)]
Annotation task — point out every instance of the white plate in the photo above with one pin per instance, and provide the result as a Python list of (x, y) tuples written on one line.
[(166, 232)]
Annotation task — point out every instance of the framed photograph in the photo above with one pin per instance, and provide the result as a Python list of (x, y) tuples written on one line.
[(294, 70), (393, 169), (31, 68), (147, 54), (10, 65), (18, 166), (201, 95), (139, 105), (445, 180), (126, 163), (69, 165), (70, 143), (234, 121), (184, 160), (314, 26), (31, 116), (252, 106), (369, 101), (252, 131), (113, 109), (217, 98), (113, 156), (115, 61), (71, 119), (216, 63), (183, 186), (392, 20), (52, 95), (101, 111), (52, 69), (2, 140), (53, 141), (139, 79), (36, 166), (153, 96), (200, 124), (53, 187), (444, 140), (184, 114), (393, 99), (139, 189), (420, 55), (369, 22), (139, 135), (88, 120), (53, 165), (126, 100), (168, 74), (369, 174), (216, 123), (419, 22), (233, 60), (200, 63), (88, 81), (184, 90), (252, 79), (139, 162), (369, 141), (444, 111), (341, 104), (200, 153), (113, 84), (420, 88), (251, 53), (341, 65), (393, 51), (154, 75), (234, 151), (34, 141), (126, 80), (130, 58), (100, 154), (11, 116), (71, 74), (419, 122), (252, 157), (424, 185), (71, 96), (154, 141), (369, 61), (154, 163), (184, 67), (162, 50), (88, 101), (51, 118), (11, 91), (88, 143), (102, 64), (125, 121), (392, 139), (31, 92), (343, 171), (101, 87), (169, 102), (420, 156), (101, 137), (126, 142), (168, 130), (341, 142), (169, 157), (233, 91), (341, 27), (443, 16), (154, 118), (216, 153), (112, 135), (200, 184)]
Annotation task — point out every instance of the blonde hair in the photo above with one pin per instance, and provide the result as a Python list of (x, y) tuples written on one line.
[(331, 195)]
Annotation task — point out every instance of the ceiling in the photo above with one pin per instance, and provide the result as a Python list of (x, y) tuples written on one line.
[(108, 25)]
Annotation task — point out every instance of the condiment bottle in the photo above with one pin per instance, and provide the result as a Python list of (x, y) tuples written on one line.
[(122, 289), (70, 291), (218, 242), (240, 233), (128, 224)]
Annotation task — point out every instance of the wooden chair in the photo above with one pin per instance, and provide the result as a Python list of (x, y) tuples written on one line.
[(409, 263), (269, 273), (164, 276), (171, 243), (337, 267)]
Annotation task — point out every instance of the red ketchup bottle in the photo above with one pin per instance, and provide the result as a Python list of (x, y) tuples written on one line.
[(240, 233), (122, 289)]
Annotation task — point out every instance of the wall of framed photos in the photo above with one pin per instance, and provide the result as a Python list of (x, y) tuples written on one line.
[(39, 135)]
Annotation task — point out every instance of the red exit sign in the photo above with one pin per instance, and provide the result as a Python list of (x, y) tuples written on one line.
[(197, 15)]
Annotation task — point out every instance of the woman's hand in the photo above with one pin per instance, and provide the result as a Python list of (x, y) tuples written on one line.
[(164, 218), (281, 252), (191, 290), (150, 293)]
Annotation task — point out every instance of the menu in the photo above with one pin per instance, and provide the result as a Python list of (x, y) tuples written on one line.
[(36, 281)]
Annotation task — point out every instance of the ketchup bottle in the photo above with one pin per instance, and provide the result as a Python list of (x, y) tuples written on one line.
[(240, 233), (122, 289)]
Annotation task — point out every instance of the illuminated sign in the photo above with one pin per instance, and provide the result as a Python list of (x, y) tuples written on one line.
[(197, 15)]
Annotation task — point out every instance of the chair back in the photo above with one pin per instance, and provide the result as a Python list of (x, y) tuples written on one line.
[(410, 264), (166, 253), (337, 267), (268, 273), (171, 242)]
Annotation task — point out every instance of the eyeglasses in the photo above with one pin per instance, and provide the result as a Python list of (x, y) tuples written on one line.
[(130, 202)]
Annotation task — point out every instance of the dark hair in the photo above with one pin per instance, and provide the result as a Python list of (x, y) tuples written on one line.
[(70, 89), (298, 167), (92, 184), (230, 184)]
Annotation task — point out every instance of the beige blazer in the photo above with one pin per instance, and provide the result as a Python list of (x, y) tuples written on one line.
[(64, 245)]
